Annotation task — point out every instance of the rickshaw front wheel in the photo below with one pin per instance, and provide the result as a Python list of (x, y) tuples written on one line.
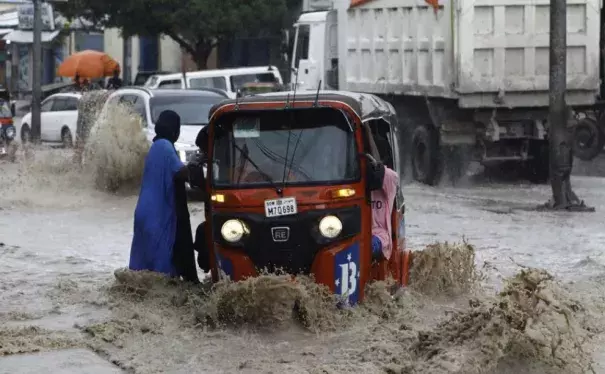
[(425, 155)]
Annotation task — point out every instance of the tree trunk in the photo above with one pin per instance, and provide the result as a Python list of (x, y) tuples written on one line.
[(561, 157), (202, 53), (199, 51)]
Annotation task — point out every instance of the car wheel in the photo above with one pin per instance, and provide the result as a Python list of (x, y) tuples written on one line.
[(66, 138), (26, 134)]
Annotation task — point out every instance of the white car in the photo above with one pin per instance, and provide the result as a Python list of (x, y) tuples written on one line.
[(58, 119), (229, 80), (192, 106)]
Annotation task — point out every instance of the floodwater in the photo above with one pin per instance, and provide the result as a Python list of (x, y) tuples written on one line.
[(61, 241)]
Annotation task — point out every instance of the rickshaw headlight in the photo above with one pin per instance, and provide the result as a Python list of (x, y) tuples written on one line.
[(330, 226), (233, 230)]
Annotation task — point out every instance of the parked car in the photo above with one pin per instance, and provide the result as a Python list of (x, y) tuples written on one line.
[(58, 119), (230, 80), (142, 76), (192, 106)]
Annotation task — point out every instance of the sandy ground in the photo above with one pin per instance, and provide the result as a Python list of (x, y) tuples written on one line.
[(62, 240)]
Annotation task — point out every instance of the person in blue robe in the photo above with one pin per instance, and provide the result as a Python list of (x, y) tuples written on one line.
[(162, 240)]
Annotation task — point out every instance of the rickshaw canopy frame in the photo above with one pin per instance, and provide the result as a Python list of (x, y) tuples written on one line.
[(367, 107)]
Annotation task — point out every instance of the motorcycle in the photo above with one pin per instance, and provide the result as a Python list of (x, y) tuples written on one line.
[(7, 137), (8, 132)]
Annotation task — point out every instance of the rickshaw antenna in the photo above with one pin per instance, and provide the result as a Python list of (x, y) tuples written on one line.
[(317, 94)]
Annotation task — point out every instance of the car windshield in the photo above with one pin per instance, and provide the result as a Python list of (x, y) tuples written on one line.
[(193, 110), (141, 79), (312, 146), (151, 81)]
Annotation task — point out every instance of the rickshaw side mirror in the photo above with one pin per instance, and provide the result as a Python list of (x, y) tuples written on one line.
[(196, 175), (374, 173), (369, 157), (201, 141)]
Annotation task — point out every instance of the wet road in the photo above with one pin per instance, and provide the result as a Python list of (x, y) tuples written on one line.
[(63, 232), (87, 240)]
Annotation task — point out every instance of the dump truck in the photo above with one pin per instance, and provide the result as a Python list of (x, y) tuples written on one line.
[(469, 79)]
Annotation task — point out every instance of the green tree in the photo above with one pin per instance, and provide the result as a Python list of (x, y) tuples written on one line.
[(196, 25)]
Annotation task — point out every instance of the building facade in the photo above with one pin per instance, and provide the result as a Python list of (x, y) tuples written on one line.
[(139, 53)]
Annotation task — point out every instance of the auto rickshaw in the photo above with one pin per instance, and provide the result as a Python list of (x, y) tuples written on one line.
[(289, 188)]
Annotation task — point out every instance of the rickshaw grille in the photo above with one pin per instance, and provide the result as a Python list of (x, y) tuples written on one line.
[(295, 255)]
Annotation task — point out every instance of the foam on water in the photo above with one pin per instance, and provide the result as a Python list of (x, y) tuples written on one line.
[(15, 340), (533, 320), (115, 152), (109, 158), (445, 322)]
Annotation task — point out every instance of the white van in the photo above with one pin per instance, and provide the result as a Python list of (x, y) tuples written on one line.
[(229, 80)]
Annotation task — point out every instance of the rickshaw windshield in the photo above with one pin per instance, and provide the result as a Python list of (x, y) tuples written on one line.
[(297, 147)]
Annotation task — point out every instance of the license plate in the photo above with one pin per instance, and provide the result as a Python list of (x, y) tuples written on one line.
[(281, 207)]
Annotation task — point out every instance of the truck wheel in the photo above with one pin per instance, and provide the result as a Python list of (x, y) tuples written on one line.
[(588, 139), (426, 160), (538, 168)]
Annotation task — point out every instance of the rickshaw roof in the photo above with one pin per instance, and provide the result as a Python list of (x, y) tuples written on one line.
[(366, 106)]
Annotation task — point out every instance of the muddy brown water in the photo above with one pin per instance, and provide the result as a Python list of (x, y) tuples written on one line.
[(63, 240)]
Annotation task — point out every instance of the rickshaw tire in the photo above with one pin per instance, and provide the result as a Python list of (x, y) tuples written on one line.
[(426, 138)]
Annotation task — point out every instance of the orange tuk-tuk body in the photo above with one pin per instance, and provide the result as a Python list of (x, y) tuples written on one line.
[(287, 178)]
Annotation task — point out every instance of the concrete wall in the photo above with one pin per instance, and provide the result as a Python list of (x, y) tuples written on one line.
[(171, 56), (114, 45), (170, 52)]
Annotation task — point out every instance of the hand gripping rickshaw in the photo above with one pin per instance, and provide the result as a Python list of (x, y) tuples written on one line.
[(288, 183)]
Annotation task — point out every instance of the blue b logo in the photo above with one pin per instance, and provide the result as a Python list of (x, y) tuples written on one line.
[(346, 273)]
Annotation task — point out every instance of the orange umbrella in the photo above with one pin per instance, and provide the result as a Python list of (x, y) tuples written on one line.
[(88, 64)]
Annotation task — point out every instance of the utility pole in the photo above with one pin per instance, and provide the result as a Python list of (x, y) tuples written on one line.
[(560, 150), (37, 71), (184, 69)]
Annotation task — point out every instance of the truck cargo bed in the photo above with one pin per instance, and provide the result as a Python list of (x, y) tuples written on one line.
[(485, 53)]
